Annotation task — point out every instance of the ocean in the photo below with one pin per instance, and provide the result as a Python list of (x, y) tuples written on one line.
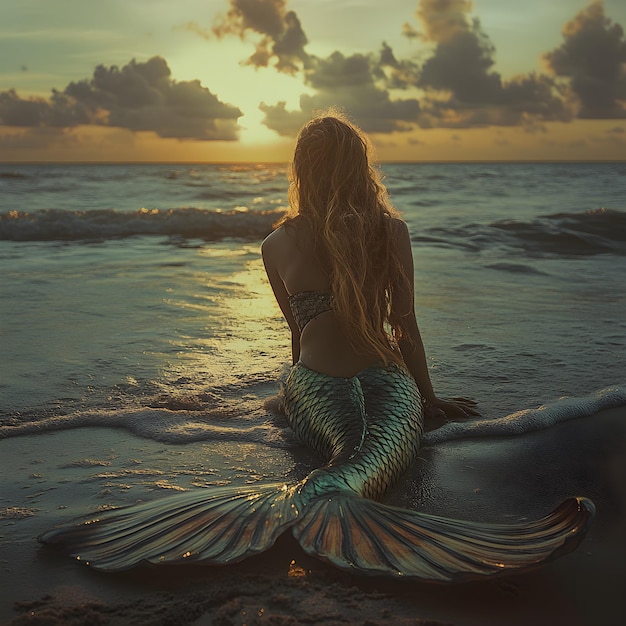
[(134, 296), (141, 352)]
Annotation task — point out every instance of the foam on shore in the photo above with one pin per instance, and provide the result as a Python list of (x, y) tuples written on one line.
[(255, 424), (530, 420)]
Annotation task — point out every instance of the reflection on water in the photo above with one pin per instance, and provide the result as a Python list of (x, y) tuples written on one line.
[(512, 263)]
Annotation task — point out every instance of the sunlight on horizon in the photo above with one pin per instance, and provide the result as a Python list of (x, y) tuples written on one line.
[(187, 83)]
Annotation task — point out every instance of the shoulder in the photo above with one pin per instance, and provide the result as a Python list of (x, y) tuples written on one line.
[(281, 244), (398, 228), (293, 232), (401, 244), (274, 241)]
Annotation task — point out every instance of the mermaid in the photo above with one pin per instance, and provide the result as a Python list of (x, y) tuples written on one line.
[(341, 268)]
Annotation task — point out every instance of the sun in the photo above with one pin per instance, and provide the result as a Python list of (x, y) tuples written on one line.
[(216, 64)]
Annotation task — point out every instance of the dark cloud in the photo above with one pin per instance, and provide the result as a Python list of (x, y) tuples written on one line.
[(58, 111), (593, 58), (338, 71), (458, 83), (468, 91), (358, 83), (352, 83), (459, 87), (443, 20), (281, 36), (138, 97), (397, 74), (284, 122), (469, 81)]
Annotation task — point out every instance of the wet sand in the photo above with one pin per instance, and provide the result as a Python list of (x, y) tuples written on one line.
[(55, 476)]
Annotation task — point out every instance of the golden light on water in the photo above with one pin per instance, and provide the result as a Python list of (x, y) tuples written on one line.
[(250, 315), (248, 306), (229, 320), (260, 302)]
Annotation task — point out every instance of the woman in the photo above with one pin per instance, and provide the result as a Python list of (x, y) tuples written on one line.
[(341, 268), (341, 261)]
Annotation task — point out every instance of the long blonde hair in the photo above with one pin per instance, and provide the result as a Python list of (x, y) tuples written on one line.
[(336, 190)]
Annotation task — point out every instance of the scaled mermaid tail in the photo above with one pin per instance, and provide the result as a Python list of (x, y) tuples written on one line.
[(368, 427), (382, 406)]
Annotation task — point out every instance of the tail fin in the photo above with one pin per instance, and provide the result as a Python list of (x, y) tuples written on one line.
[(217, 525), (369, 537), (227, 524)]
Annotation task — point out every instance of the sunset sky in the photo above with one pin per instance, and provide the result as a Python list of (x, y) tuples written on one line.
[(233, 80)]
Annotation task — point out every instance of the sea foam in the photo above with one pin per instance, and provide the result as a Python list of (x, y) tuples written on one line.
[(529, 420), (258, 425)]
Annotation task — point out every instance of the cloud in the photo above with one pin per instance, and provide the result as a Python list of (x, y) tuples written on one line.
[(443, 20), (138, 97), (58, 111), (281, 36), (397, 74), (593, 58), (358, 83), (461, 88), (285, 123), (456, 86), (353, 83), (37, 139)]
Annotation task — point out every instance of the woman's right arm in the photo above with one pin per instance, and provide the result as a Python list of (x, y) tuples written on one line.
[(403, 315), (410, 340)]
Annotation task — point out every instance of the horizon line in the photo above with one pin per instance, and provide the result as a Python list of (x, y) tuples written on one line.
[(263, 162)]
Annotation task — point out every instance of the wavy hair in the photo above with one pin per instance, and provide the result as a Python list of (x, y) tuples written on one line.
[(337, 191)]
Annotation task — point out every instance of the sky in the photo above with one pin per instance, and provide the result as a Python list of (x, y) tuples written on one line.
[(234, 80)]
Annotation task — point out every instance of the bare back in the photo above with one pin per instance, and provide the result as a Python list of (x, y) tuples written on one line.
[(293, 267)]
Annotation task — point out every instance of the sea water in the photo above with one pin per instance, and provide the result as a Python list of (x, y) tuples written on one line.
[(135, 295)]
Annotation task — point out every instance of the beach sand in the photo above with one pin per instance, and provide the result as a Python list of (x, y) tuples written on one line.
[(53, 477)]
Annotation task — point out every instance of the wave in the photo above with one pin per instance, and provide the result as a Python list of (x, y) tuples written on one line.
[(207, 224), (265, 425), (169, 426), (530, 420), (592, 232), (515, 268), (597, 231)]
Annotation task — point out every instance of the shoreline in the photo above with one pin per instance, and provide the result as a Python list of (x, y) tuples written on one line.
[(53, 476)]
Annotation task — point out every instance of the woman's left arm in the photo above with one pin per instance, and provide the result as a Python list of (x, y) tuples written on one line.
[(281, 295)]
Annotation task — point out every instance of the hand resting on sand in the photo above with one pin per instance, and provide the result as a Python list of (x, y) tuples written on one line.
[(439, 412)]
